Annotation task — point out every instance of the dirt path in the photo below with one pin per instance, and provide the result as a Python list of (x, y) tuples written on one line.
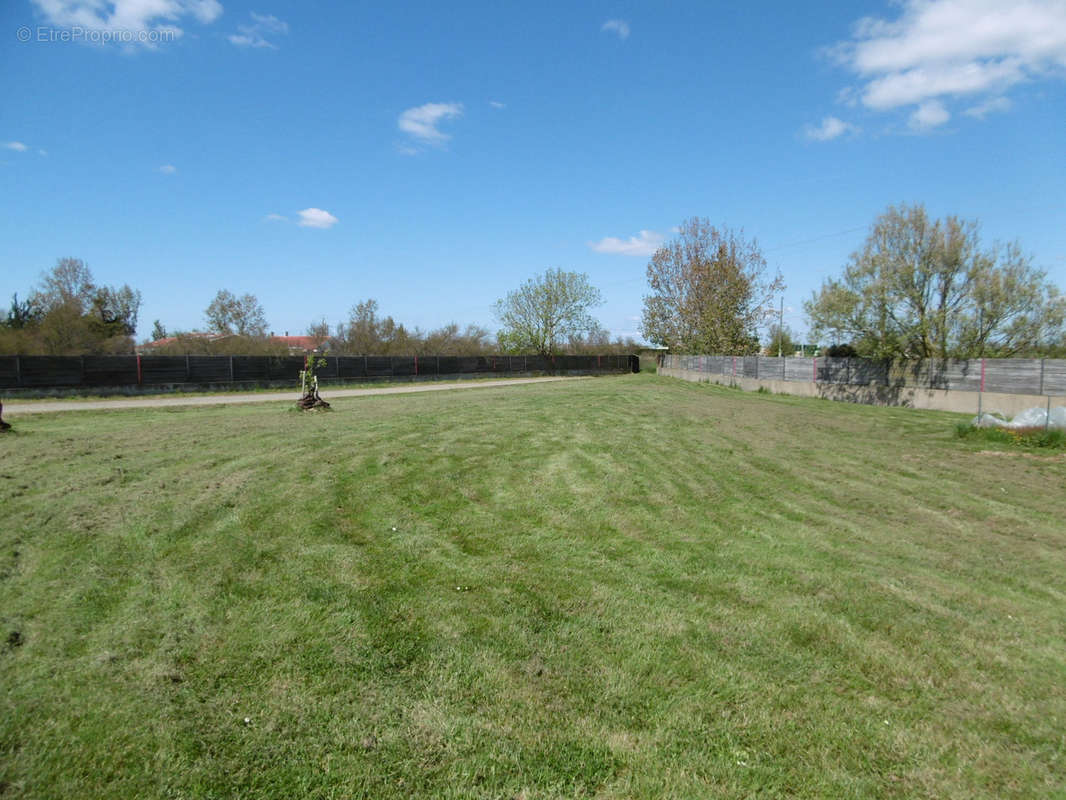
[(14, 408)]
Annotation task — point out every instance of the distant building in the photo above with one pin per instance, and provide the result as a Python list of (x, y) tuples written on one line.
[(150, 347), (298, 345)]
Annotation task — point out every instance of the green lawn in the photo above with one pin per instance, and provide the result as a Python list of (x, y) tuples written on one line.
[(622, 587)]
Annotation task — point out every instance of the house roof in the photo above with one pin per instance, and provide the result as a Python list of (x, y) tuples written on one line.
[(302, 342)]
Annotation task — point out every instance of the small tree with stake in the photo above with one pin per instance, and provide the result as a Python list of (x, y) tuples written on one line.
[(309, 397)]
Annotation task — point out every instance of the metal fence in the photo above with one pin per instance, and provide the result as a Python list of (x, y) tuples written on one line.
[(18, 372), (1036, 376)]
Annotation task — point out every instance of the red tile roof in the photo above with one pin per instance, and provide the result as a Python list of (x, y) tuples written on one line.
[(294, 342)]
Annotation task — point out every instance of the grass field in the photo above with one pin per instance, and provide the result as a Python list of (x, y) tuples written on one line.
[(620, 587)]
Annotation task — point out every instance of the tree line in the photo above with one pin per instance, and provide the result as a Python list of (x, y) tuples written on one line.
[(916, 288), (68, 314)]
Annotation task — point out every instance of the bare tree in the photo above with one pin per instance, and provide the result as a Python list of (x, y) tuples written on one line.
[(319, 331)]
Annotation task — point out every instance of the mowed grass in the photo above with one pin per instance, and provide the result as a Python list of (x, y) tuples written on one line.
[(620, 587)]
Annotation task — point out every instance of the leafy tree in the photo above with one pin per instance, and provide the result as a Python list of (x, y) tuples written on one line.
[(781, 341), (114, 311), (362, 334), (546, 312), (841, 351), (68, 314), (922, 288), (242, 316), (158, 331), (710, 291), (21, 315)]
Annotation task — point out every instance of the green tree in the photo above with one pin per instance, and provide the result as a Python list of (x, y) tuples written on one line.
[(362, 334), (71, 315), (242, 315), (922, 288), (547, 311), (114, 311), (20, 315), (710, 291), (781, 341), (158, 331)]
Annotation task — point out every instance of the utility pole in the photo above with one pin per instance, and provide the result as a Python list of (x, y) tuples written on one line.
[(781, 326)]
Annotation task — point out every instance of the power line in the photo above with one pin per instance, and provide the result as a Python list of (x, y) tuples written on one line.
[(816, 239)]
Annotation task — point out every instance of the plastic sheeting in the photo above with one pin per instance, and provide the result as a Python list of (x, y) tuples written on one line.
[(1030, 418)]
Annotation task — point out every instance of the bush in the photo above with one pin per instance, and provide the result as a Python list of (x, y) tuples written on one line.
[(1016, 437)]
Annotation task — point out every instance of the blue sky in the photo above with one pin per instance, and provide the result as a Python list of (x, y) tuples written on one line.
[(443, 153)]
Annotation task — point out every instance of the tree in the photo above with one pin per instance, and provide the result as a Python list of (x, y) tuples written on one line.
[(547, 311), (922, 288), (319, 331), (240, 315), (158, 331), (362, 334), (780, 341), (68, 314), (710, 291), (114, 311), (21, 315), (70, 283)]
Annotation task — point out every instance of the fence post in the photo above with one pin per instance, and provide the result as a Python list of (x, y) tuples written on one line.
[(18, 370), (1042, 375), (814, 369), (416, 365), (188, 372), (980, 391), (82, 380), (139, 381), (756, 368), (231, 378)]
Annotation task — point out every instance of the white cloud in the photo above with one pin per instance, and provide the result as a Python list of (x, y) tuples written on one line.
[(168, 169), (940, 50), (18, 147), (643, 245), (128, 16), (930, 114), (497, 104), (420, 123), (275, 218), (830, 128), (43, 152), (316, 218), (617, 26), (254, 35), (991, 106)]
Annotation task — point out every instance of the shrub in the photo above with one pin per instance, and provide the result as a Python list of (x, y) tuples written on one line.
[(1017, 437)]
